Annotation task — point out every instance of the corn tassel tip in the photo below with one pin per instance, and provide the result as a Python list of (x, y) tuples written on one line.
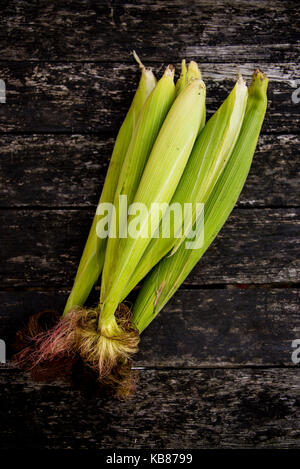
[(259, 74), (241, 80), (170, 71)]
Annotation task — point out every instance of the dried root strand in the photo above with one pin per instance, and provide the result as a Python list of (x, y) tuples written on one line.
[(25, 348), (37, 324), (52, 347), (104, 351), (44, 343)]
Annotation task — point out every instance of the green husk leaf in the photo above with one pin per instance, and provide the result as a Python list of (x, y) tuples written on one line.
[(181, 82)]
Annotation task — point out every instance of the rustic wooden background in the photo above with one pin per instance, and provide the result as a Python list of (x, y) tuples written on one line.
[(216, 368)]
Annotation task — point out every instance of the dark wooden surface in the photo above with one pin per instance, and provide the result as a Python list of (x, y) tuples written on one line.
[(256, 246), (89, 97), (215, 366), (174, 409)]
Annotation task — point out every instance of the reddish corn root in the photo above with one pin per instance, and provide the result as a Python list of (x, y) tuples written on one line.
[(37, 324), (43, 343), (27, 354), (51, 347)]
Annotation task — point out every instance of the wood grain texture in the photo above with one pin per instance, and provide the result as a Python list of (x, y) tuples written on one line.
[(197, 328), (69, 171), (42, 248), (107, 30), (173, 409), (216, 363), (94, 97)]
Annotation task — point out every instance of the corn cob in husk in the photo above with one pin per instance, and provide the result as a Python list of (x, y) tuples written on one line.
[(150, 121), (92, 259), (208, 159), (168, 275), (158, 184)]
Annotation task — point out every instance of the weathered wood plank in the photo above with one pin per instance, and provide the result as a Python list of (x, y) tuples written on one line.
[(53, 170), (223, 328), (256, 246), (198, 328), (61, 170), (204, 328), (94, 97), (92, 30), (173, 409)]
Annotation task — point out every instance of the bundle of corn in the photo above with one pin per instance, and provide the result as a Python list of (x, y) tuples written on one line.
[(165, 158)]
